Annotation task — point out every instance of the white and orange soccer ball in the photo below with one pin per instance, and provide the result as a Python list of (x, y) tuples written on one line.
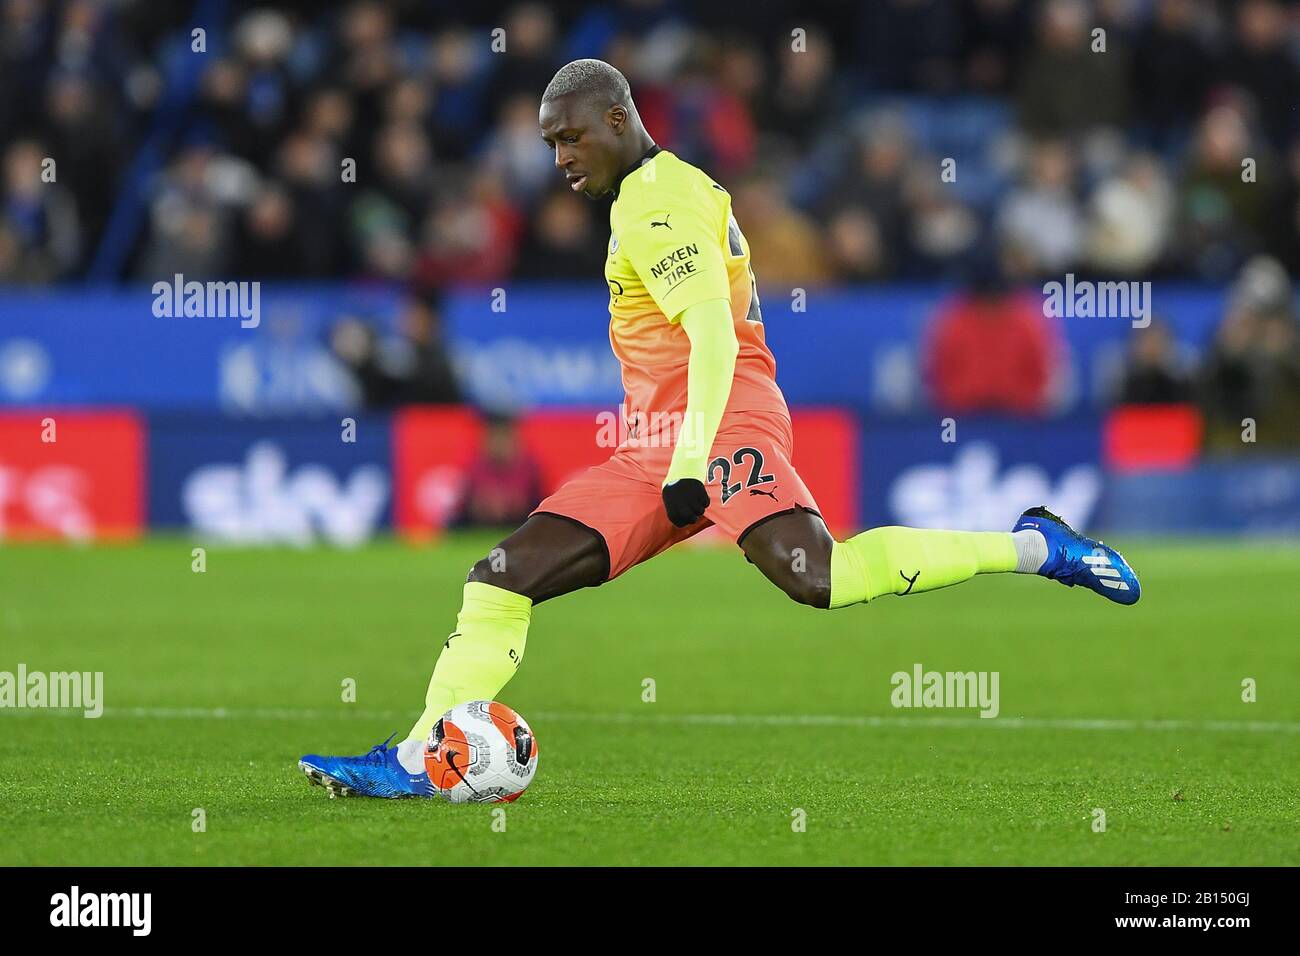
[(481, 752)]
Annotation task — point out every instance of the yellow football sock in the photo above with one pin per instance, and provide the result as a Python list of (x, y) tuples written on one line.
[(481, 655), (910, 560)]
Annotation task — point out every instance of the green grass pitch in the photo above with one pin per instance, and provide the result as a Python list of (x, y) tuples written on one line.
[(216, 682)]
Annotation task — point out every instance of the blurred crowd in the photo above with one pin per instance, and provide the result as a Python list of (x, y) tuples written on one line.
[(991, 142), (830, 123), (989, 348)]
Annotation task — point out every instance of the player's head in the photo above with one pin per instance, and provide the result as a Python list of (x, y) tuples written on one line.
[(588, 118)]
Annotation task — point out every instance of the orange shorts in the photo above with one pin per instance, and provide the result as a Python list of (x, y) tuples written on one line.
[(750, 478)]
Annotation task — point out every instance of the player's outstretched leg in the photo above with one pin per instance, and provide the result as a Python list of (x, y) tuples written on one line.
[(796, 552), (548, 556)]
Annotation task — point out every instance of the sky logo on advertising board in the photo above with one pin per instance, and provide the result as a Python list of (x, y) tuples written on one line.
[(262, 501), (973, 494)]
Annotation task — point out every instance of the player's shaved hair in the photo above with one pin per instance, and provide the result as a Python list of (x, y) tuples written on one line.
[(591, 78)]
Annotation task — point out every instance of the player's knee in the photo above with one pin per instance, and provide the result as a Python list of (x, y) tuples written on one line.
[(543, 559), (492, 569), (790, 569), (793, 552), (808, 589)]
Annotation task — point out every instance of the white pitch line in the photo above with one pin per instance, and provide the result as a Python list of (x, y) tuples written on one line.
[(766, 720)]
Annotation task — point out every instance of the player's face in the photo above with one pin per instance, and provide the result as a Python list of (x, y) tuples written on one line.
[(585, 141)]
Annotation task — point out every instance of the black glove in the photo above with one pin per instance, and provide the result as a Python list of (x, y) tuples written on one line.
[(685, 500)]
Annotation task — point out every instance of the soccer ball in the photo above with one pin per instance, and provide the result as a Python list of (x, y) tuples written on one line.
[(481, 752)]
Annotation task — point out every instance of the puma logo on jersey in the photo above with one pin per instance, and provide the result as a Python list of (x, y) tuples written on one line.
[(760, 491), (654, 223), (1100, 565)]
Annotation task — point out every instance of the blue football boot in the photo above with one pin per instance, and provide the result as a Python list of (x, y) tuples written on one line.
[(1074, 559), (374, 774)]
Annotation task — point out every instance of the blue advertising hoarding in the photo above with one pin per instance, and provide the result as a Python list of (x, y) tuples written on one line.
[(1258, 498), (978, 474), (526, 346), (295, 482), (860, 347), (105, 346)]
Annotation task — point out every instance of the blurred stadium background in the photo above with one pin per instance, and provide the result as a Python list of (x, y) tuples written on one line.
[(447, 300)]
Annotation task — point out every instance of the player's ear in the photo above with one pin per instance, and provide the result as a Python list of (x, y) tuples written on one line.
[(616, 119)]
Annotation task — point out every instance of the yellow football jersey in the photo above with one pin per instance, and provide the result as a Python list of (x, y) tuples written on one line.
[(674, 243)]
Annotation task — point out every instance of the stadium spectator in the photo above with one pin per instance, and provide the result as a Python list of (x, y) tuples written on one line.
[(403, 176), (991, 349), (1172, 67), (265, 243), (83, 136), (530, 56), (308, 165), (1130, 217), (330, 113), (1066, 87), (802, 98), (262, 40), (1286, 223), (1041, 218), (1223, 213), (223, 91), (515, 152), (367, 59), (1154, 373), (784, 245), (562, 242), (425, 104), (457, 63), (993, 34), (503, 484), (423, 365), (193, 214), (873, 178), (39, 216), (410, 368), (1252, 374), (471, 234), (942, 231), (1260, 63), (854, 246), (356, 345), (712, 117)]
